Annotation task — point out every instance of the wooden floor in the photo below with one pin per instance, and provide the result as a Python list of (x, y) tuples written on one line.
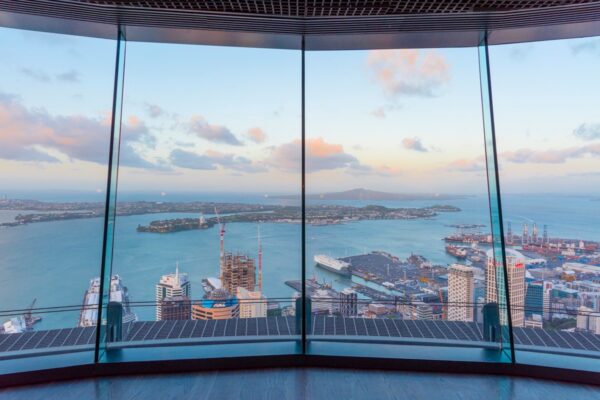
[(310, 383)]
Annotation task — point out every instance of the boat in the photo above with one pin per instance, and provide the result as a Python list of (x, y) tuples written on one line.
[(456, 251), (14, 325), (333, 265), (118, 293)]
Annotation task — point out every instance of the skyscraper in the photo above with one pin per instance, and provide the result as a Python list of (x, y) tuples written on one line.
[(175, 308), (238, 270), (252, 304), (460, 293), (496, 293), (172, 285), (348, 303), (534, 299)]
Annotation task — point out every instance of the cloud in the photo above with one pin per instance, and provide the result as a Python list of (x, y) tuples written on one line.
[(135, 137), (467, 165), (187, 159), (553, 156), (213, 133), (35, 135), (414, 143), (320, 155), (154, 110), (37, 75), (587, 46), (212, 160), (587, 131), (69, 76), (24, 134), (379, 112), (256, 135), (409, 72)]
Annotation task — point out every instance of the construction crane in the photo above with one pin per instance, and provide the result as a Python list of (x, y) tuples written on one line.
[(29, 318), (221, 244), (259, 262)]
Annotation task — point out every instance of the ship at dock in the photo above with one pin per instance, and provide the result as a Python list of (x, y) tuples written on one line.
[(21, 323), (456, 251), (118, 293), (333, 265)]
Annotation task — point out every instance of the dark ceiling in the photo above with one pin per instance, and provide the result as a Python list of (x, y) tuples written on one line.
[(333, 8)]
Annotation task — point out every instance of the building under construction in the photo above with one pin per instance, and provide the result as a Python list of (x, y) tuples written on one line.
[(238, 270)]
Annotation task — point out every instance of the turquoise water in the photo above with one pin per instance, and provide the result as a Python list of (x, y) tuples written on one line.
[(54, 261)]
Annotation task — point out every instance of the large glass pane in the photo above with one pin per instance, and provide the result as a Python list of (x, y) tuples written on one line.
[(548, 138), (108, 329), (496, 269), (398, 219), (207, 245), (55, 111)]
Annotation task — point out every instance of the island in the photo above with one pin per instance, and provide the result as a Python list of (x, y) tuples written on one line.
[(315, 215), (35, 211)]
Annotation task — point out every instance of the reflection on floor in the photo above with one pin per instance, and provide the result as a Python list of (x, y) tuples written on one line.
[(310, 383)]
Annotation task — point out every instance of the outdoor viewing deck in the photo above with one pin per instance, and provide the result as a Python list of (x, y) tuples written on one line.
[(278, 327)]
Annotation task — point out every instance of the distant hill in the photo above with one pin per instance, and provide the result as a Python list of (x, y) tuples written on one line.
[(365, 194)]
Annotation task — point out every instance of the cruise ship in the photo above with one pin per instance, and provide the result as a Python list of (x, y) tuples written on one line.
[(333, 265), (118, 293)]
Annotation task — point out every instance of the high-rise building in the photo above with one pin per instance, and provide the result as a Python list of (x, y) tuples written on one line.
[(252, 304), (238, 270), (525, 235), (175, 308), (479, 303), (218, 304), (172, 285), (547, 298), (348, 303), (496, 293), (460, 293), (588, 320), (534, 299), (424, 311)]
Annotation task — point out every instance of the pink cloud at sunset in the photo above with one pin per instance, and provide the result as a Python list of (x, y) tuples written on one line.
[(256, 135), (409, 71)]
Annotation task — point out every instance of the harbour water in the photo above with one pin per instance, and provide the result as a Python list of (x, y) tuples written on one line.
[(54, 261)]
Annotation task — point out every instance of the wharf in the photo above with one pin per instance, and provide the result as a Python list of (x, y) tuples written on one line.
[(373, 294), (380, 267), (311, 286)]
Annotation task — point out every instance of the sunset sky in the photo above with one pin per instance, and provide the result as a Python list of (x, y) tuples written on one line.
[(224, 119)]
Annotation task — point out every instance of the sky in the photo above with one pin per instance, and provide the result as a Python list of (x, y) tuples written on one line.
[(227, 119)]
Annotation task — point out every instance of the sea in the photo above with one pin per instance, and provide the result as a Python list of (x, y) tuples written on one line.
[(53, 262)]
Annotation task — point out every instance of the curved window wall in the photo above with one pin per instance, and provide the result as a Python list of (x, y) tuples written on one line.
[(56, 96), (423, 170), (548, 140), (396, 190), (207, 243)]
